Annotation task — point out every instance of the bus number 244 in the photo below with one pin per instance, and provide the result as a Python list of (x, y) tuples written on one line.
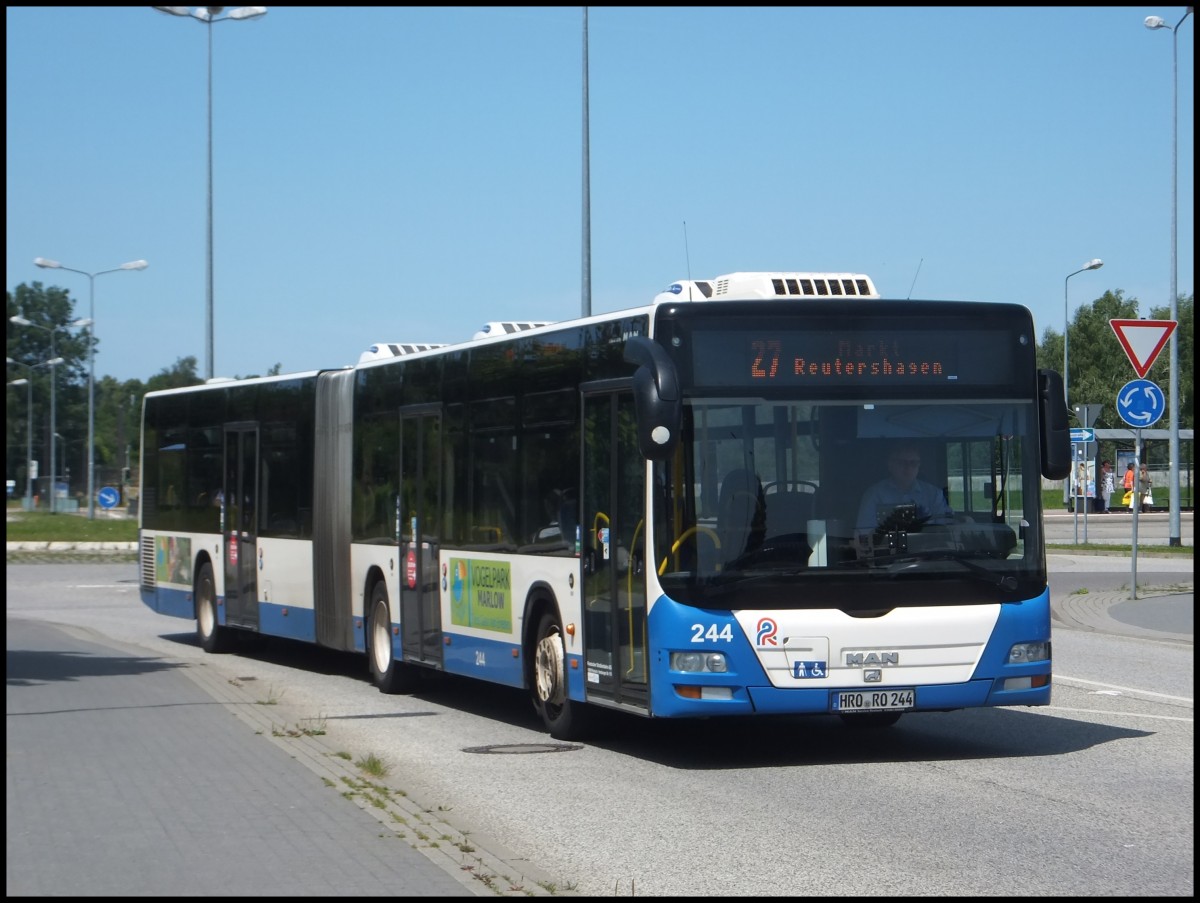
[(711, 633)]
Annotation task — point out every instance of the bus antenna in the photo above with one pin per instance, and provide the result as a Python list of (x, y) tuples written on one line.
[(686, 255), (914, 282)]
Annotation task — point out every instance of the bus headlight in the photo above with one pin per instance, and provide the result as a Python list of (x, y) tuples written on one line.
[(715, 661), (699, 662), (1023, 653)]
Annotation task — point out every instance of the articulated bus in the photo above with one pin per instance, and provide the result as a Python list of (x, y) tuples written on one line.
[(654, 511)]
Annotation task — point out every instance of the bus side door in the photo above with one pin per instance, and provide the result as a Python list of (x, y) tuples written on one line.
[(420, 532), (614, 532), (240, 494)]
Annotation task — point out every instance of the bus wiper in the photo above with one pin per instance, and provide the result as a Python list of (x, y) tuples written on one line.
[(911, 560)]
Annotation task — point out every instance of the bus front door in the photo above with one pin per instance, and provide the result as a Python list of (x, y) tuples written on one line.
[(614, 530), (240, 527), (420, 533)]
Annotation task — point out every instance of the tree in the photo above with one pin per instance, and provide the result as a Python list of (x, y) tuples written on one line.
[(51, 312), (1186, 346), (1099, 367), (182, 373), (117, 404)]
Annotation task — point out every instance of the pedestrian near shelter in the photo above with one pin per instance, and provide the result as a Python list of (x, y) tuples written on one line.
[(1117, 445)]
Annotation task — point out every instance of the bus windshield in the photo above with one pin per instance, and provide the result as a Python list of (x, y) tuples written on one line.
[(929, 496)]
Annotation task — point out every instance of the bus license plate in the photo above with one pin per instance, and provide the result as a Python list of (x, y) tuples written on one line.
[(892, 700)]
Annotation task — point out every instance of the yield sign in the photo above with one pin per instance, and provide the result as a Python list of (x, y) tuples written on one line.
[(1142, 340)]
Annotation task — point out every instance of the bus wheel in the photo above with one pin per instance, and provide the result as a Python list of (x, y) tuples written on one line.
[(564, 718), (870, 720), (389, 675), (212, 636)]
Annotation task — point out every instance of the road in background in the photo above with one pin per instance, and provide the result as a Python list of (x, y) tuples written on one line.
[(1116, 528)]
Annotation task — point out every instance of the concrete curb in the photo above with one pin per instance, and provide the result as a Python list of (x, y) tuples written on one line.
[(477, 861)]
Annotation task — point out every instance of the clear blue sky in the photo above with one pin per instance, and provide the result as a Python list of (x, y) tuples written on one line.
[(406, 174)]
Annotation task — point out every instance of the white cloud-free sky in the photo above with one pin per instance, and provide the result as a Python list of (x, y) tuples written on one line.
[(406, 174)]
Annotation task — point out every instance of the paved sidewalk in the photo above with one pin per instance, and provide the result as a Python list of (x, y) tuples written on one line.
[(128, 775), (1160, 617)]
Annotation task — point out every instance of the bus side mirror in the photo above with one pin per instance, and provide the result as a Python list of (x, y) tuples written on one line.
[(656, 399), (1055, 429)]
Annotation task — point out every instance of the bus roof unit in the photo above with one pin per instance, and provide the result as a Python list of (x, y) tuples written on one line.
[(747, 286), (507, 327), (395, 349)]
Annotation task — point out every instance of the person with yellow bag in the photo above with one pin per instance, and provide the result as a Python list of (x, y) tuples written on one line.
[(1128, 500)]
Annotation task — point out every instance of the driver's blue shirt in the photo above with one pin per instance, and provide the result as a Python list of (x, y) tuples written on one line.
[(932, 507)]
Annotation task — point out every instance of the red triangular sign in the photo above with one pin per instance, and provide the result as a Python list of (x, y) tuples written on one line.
[(1142, 340)]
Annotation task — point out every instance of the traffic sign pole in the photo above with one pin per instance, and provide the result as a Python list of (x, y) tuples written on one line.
[(1142, 341), (1136, 502)]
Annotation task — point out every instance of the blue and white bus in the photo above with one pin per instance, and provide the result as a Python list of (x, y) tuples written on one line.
[(652, 511)]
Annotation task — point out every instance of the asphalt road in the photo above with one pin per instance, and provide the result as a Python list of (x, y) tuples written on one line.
[(139, 766)]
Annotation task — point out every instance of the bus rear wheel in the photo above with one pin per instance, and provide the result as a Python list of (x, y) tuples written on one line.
[(212, 636), (389, 675), (563, 717)]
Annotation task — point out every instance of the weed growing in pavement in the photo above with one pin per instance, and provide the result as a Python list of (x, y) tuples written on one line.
[(312, 727), (373, 765), (273, 697)]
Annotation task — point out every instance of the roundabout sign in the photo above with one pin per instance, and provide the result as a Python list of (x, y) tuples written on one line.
[(1140, 403)]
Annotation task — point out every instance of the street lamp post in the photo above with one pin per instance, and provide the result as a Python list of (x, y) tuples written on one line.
[(28, 382), (53, 363), (29, 422), (45, 263), (587, 182), (210, 15), (1090, 265), (1173, 535)]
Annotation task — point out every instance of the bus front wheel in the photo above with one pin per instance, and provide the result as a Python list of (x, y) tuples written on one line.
[(563, 717), (389, 675), (213, 637)]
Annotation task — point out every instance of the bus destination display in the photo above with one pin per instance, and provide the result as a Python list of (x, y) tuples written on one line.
[(850, 358)]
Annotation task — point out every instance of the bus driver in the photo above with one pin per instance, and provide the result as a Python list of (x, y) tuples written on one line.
[(902, 487)]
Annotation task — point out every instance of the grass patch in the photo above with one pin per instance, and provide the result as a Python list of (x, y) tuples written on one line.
[(42, 526), (1097, 549)]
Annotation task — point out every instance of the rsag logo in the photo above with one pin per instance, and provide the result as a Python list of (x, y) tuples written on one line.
[(766, 631)]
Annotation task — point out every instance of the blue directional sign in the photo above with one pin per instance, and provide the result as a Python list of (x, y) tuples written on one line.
[(1082, 434), (1140, 403), (108, 497)]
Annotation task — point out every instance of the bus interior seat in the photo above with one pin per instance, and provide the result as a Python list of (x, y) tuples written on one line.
[(740, 514), (789, 512)]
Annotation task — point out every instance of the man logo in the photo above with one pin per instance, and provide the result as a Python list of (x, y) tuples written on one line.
[(872, 659)]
